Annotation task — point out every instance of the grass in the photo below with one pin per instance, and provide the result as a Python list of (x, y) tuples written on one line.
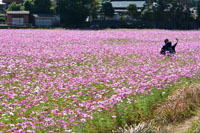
[(195, 127), (141, 110), (180, 105)]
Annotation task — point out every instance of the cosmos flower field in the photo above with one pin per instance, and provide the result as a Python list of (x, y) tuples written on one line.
[(57, 80)]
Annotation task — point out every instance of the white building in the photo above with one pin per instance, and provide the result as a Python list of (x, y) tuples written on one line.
[(120, 6)]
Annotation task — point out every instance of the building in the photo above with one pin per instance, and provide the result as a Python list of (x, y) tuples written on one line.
[(2, 5), (120, 6), (194, 12), (45, 20), (17, 17)]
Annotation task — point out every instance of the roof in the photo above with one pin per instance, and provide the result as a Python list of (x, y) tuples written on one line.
[(45, 15), (18, 12), (124, 4), (124, 10)]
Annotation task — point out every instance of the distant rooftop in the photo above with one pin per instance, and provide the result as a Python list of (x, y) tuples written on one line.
[(1, 2), (18, 12), (124, 4), (45, 15)]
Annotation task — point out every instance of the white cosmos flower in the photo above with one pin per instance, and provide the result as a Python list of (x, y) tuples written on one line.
[(12, 125), (11, 113), (37, 89)]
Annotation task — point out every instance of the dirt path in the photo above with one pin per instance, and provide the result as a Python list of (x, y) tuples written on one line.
[(185, 126)]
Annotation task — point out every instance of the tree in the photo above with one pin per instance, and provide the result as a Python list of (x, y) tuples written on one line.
[(156, 10), (168, 13), (14, 7), (148, 12), (38, 6), (198, 10), (192, 3), (133, 10), (75, 12), (180, 13), (169, 10), (53, 6), (29, 5), (108, 9), (93, 7), (42, 6)]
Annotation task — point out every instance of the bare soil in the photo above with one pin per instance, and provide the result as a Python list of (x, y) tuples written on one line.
[(184, 126)]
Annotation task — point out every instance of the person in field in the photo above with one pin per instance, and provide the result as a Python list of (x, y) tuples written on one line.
[(167, 47)]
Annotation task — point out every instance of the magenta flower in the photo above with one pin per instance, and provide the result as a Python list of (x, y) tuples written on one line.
[(23, 110), (55, 79)]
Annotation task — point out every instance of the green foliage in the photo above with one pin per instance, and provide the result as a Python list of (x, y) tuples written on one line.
[(192, 3), (195, 127), (75, 12), (93, 7), (133, 10), (29, 5), (38, 6), (108, 9), (179, 13), (14, 7), (42, 6), (148, 13), (141, 109), (157, 11), (198, 9), (2, 18), (69, 7), (172, 11)]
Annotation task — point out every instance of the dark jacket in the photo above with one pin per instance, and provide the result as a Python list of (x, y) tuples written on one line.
[(168, 47)]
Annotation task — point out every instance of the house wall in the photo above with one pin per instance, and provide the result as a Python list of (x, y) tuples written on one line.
[(43, 22), (47, 21), (25, 16), (9, 18)]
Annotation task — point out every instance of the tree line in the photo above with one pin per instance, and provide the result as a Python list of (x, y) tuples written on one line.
[(34, 6), (75, 12), (171, 11)]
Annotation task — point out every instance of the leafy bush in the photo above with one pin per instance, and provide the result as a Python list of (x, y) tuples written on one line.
[(2, 19)]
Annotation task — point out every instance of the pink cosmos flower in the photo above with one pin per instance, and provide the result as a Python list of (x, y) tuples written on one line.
[(113, 116), (23, 110)]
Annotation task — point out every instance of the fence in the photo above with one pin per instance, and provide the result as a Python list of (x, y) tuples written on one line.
[(14, 25)]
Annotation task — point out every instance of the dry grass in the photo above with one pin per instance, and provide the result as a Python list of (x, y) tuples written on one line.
[(140, 128), (178, 107)]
